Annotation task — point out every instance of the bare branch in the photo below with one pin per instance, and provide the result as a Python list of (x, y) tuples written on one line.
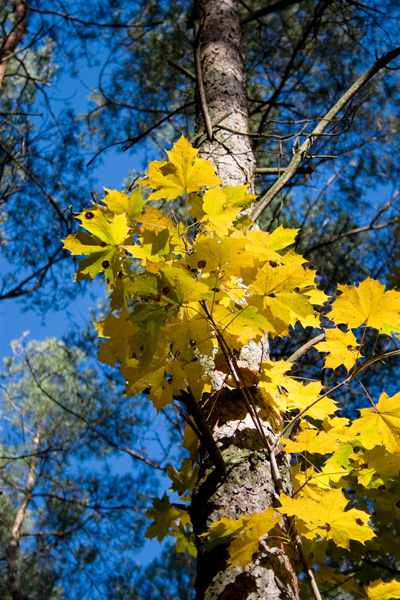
[(302, 152), (181, 69), (268, 10), (68, 17)]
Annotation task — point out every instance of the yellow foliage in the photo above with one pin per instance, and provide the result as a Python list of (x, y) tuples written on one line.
[(186, 294)]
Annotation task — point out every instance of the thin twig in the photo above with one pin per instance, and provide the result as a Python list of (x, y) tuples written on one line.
[(199, 79), (181, 69), (268, 10)]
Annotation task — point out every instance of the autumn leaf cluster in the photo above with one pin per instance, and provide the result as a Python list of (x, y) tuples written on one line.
[(193, 282)]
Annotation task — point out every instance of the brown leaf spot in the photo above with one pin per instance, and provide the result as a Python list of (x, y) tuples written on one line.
[(201, 264), (105, 264), (89, 215)]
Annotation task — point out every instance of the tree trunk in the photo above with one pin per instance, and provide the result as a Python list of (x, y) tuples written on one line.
[(248, 485), (15, 36), (221, 91), (12, 547)]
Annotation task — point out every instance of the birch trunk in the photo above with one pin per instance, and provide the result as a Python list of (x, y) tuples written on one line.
[(248, 485)]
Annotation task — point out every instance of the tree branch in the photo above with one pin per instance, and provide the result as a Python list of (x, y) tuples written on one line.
[(302, 152), (268, 10)]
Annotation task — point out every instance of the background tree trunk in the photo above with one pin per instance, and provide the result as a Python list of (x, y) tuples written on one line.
[(248, 485), (14, 38)]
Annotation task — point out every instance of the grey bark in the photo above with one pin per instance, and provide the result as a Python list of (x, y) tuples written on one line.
[(218, 45), (247, 487)]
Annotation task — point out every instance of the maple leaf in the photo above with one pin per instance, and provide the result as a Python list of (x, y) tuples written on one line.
[(379, 590), (241, 324), (247, 530), (163, 515), (119, 333), (380, 425), (256, 526), (153, 219), (102, 247), (213, 253), (342, 348), (185, 540), (185, 478), (110, 231), (286, 294), (120, 203), (302, 396), (219, 215), (221, 531), (328, 518), (178, 285), (183, 172), (367, 303), (312, 441)]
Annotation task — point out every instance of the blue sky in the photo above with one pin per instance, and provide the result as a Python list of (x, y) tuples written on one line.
[(17, 320), (110, 172)]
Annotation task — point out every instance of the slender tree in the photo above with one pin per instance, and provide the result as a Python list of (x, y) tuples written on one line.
[(72, 512)]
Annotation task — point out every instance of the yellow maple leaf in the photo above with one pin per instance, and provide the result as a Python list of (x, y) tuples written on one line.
[(327, 517), (112, 231), (179, 286), (302, 396), (218, 216), (120, 202), (240, 325), (379, 590), (312, 441), (342, 348), (119, 332), (379, 426), (367, 303), (285, 292), (256, 526), (213, 253), (183, 172), (248, 531), (153, 219)]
